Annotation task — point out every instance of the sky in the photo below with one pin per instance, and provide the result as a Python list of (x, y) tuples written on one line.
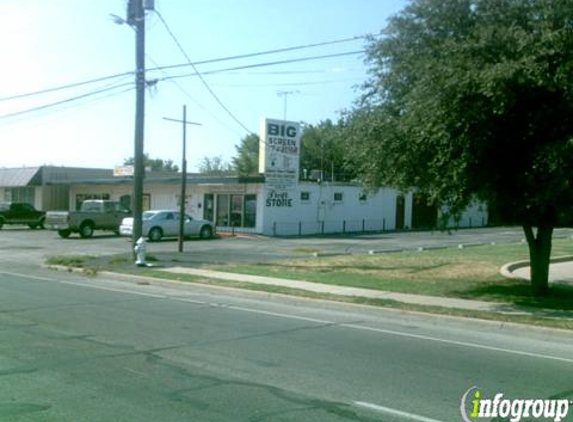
[(50, 44)]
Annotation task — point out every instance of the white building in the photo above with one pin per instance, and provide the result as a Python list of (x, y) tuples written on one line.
[(246, 205), (275, 203)]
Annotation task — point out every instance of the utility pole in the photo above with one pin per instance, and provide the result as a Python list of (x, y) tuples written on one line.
[(136, 18), (183, 175)]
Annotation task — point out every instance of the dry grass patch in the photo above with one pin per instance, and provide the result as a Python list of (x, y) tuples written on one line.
[(470, 273)]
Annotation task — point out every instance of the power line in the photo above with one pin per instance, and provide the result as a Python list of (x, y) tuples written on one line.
[(323, 82), (209, 61), (67, 100), (171, 79), (186, 93), (275, 63), (267, 52), (70, 106), (217, 99), (67, 86)]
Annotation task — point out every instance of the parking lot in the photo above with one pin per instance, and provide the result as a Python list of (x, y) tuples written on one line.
[(22, 247)]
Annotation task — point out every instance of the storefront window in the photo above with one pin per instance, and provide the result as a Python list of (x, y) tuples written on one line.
[(223, 210), (232, 210), (208, 206), (236, 210), (250, 211)]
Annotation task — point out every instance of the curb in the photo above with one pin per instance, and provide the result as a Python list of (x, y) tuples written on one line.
[(328, 254), (149, 280), (508, 269)]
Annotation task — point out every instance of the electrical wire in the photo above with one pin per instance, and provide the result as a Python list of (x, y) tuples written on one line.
[(168, 78), (275, 63), (203, 81), (68, 106), (267, 52), (67, 86), (186, 93), (65, 101), (307, 83), (167, 67)]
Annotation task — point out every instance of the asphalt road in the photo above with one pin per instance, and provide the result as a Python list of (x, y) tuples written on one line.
[(94, 349)]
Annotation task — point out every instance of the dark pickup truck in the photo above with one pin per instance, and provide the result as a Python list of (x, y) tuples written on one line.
[(93, 215), (21, 213)]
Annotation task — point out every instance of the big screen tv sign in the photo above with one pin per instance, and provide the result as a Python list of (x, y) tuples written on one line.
[(279, 154)]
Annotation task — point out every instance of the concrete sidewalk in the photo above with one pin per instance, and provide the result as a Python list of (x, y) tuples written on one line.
[(504, 308), (559, 272)]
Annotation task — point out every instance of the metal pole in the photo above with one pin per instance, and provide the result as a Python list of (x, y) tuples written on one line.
[(285, 94), (183, 182), (139, 170)]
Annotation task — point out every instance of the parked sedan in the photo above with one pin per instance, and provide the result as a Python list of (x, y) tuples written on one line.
[(158, 224)]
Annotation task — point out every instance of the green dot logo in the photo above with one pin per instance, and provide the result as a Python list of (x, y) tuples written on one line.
[(475, 394)]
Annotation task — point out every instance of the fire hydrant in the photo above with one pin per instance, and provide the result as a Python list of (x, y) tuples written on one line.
[(140, 247)]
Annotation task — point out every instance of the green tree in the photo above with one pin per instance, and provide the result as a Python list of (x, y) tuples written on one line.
[(246, 162), (215, 166), (323, 149), (474, 99), (155, 164)]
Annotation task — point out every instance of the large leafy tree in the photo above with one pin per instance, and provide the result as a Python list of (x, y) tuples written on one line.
[(246, 162), (323, 150), (473, 99)]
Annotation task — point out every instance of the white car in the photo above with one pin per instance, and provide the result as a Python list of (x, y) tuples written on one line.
[(158, 224)]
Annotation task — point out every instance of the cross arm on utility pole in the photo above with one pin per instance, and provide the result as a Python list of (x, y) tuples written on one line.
[(183, 173)]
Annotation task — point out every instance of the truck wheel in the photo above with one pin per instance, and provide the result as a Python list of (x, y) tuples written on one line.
[(205, 232), (64, 233), (155, 234), (86, 230)]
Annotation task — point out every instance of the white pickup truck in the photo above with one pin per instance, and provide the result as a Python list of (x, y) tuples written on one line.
[(93, 215)]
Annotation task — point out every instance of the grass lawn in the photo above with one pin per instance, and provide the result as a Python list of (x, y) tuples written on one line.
[(470, 273)]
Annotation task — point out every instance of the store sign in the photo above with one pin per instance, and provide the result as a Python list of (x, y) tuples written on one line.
[(123, 171), (278, 199), (279, 154)]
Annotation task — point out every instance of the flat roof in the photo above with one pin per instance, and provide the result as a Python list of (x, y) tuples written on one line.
[(166, 179)]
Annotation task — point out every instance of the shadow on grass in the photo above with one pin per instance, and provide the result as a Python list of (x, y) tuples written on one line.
[(559, 297)]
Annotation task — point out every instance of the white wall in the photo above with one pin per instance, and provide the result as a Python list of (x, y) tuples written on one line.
[(322, 213)]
